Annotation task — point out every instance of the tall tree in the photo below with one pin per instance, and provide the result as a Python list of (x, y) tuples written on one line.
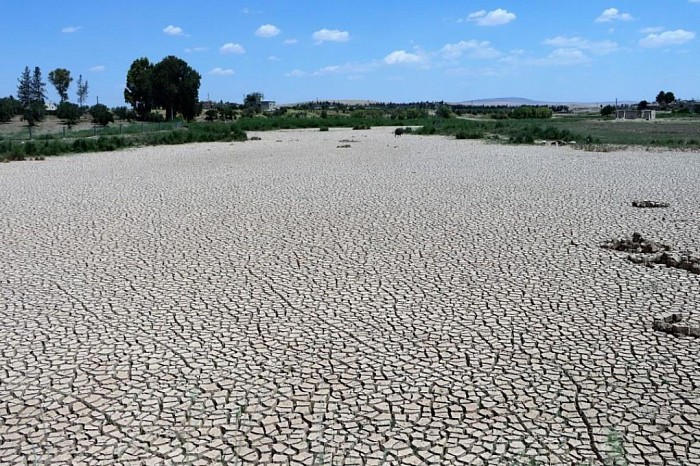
[(38, 87), (139, 86), (60, 78), (82, 91), (176, 87), (24, 88), (31, 92), (661, 98), (253, 101)]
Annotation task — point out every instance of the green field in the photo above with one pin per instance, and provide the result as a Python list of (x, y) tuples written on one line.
[(585, 130)]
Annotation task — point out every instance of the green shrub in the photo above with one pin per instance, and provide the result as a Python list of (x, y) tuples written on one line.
[(101, 115), (68, 112), (154, 117), (528, 111), (444, 111), (608, 110), (9, 107), (469, 135)]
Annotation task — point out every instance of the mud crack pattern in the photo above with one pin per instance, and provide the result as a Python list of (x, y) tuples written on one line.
[(411, 300)]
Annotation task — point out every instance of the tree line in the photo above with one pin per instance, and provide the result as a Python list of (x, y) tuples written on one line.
[(30, 103), (171, 85)]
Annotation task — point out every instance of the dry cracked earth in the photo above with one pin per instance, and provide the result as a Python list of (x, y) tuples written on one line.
[(412, 300)]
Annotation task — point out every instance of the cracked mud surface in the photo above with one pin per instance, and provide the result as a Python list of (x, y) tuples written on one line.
[(411, 300)]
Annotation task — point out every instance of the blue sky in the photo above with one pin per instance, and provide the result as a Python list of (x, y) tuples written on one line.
[(388, 50)]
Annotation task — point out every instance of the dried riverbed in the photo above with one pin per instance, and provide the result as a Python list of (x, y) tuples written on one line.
[(402, 300)]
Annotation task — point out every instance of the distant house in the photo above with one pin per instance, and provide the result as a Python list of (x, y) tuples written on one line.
[(625, 114), (268, 105)]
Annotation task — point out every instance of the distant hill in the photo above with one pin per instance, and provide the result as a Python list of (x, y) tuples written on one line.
[(519, 101)]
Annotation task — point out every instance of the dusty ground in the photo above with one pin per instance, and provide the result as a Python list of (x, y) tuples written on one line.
[(405, 300)]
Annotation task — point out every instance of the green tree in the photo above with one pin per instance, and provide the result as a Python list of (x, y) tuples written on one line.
[(443, 111), (31, 92), (60, 78), (139, 86), (607, 110), (38, 87), (82, 92), (642, 105), (24, 88), (34, 112), (68, 112), (101, 115), (9, 107), (253, 101), (176, 87), (665, 98)]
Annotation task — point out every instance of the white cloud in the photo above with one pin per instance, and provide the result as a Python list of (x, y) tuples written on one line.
[(652, 29), (564, 57), (677, 37), (274, 58), (222, 72), (196, 49), (173, 30), (693, 1), (351, 69), (331, 35), (613, 14), (474, 48), (601, 47), (401, 57), (71, 29), (98, 68), (290, 41), (230, 48), (496, 17), (267, 31)]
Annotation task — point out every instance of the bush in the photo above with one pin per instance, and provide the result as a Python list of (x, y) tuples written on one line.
[(528, 111), (608, 110), (443, 111), (154, 117), (323, 128), (9, 107), (101, 115), (523, 137), (469, 135), (69, 113), (124, 113)]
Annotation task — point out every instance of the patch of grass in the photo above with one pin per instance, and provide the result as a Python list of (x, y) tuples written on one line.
[(195, 132)]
